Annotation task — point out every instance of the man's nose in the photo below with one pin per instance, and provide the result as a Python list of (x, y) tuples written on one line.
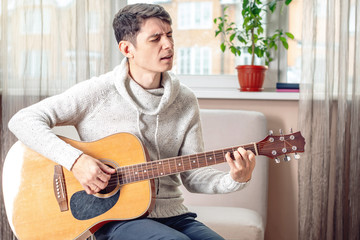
[(168, 42)]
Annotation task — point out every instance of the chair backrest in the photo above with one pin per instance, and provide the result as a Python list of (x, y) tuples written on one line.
[(227, 128)]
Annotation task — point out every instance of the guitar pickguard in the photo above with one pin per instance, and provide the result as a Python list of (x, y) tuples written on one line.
[(85, 206)]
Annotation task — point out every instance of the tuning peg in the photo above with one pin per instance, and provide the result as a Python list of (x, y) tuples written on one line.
[(281, 131), (271, 132), (296, 156), (287, 158), (291, 131), (277, 160)]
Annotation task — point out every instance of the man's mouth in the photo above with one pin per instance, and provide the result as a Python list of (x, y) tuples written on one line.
[(168, 57)]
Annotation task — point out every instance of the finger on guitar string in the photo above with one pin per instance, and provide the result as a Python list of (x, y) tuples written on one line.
[(240, 158), (242, 163), (104, 173), (91, 173)]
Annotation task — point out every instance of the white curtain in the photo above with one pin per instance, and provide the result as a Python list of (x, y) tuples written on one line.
[(47, 46), (329, 173)]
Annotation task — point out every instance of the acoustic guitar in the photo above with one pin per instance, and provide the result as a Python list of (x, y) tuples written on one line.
[(43, 200)]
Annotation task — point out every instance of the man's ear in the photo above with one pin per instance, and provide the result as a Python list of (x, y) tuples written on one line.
[(126, 48)]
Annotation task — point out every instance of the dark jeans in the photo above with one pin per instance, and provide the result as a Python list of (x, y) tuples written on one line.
[(183, 227)]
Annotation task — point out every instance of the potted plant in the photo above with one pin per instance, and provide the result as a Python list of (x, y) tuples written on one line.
[(250, 37)]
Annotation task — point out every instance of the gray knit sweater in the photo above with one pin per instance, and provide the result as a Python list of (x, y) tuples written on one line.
[(166, 120)]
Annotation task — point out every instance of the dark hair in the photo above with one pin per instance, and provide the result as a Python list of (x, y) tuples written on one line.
[(127, 22)]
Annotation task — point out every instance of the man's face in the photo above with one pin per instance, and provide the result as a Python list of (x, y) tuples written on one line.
[(154, 51)]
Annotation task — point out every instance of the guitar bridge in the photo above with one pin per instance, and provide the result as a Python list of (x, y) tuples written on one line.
[(60, 188)]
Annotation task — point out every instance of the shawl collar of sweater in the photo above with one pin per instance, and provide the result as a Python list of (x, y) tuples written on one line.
[(139, 97)]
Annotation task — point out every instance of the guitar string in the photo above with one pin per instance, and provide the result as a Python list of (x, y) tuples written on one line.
[(153, 167), (130, 172)]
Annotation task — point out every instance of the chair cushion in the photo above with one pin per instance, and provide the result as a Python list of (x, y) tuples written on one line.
[(232, 223)]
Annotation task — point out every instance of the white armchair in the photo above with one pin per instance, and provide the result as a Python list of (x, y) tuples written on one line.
[(242, 214), (239, 215)]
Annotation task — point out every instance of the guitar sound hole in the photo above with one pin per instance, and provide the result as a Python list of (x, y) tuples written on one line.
[(112, 184)]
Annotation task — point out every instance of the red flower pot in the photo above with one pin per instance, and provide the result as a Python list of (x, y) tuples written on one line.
[(251, 77)]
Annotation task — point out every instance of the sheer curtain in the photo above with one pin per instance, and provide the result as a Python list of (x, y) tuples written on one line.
[(329, 174), (46, 47)]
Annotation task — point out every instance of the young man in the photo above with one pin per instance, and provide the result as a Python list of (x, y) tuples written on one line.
[(139, 96)]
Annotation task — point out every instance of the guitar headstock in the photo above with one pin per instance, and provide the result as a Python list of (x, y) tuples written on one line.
[(276, 146)]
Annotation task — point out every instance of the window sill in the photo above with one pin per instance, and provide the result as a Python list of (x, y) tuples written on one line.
[(227, 87), (235, 93)]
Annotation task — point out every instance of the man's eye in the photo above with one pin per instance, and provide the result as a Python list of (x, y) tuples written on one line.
[(155, 39)]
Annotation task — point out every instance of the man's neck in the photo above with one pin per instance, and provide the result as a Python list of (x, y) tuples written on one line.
[(146, 80)]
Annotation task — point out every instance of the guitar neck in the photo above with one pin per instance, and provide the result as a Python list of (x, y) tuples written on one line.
[(169, 166)]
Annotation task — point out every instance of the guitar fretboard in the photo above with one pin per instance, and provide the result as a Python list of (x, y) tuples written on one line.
[(169, 166)]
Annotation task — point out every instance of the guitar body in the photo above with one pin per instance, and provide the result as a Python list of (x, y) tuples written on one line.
[(31, 203), (44, 201)]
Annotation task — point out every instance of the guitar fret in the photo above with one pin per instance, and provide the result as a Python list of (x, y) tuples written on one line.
[(161, 173), (179, 165), (129, 175), (168, 166), (197, 160), (193, 161), (159, 168), (120, 176), (141, 172), (187, 164), (150, 170), (124, 175)]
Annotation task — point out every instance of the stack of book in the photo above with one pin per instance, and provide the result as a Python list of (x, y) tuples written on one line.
[(287, 87)]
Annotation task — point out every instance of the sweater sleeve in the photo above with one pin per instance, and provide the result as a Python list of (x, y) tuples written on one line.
[(32, 125), (206, 179)]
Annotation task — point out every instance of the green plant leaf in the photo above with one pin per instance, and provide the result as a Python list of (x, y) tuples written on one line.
[(274, 36), (241, 39), (285, 44), (272, 6), (249, 27), (258, 52), (287, 2), (233, 50), (271, 44), (238, 50), (290, 35), (282, 39), (223, 47), (245, 3), (232, 37)]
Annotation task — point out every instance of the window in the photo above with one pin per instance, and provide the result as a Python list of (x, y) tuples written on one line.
[(36, 21), (195, 15), (73, 61), (34, 64), (194, 28), (194, 60), (94, 22)]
